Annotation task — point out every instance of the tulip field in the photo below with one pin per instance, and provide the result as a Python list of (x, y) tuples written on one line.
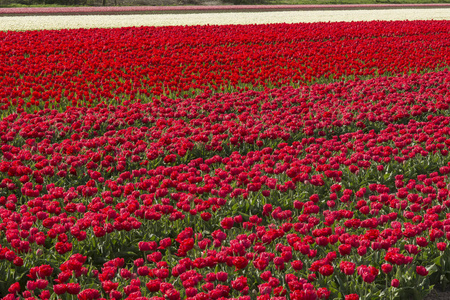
[(250, 162)]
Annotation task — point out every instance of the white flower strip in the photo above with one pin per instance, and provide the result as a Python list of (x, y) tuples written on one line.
[(16, 23)]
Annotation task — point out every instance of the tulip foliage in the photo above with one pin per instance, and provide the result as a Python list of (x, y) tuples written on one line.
[(302, 161)]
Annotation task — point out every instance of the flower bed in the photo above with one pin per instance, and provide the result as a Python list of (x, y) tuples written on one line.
[(226, 162), (211, 8), (32, 21)]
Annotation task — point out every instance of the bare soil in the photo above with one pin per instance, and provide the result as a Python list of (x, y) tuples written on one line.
[(438, 294)]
